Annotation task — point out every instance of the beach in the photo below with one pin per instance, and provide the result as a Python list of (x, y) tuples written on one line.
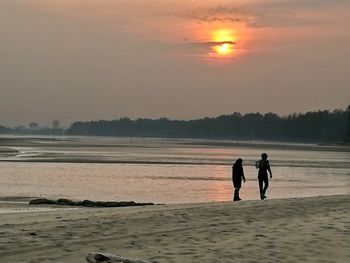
[(313, 229)]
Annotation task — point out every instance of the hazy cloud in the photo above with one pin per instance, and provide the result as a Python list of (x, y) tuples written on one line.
[(265, 13)]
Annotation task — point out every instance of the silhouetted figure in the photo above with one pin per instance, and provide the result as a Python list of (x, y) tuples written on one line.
[(263, 165), (237, 176)]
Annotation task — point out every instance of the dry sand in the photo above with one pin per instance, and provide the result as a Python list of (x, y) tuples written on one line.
[(291, 230)]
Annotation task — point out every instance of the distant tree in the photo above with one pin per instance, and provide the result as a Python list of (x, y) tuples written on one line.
[(4, 129), (55, 124), (33, 125)]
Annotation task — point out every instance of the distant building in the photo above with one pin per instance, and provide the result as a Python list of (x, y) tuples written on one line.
[(55, 124), (33, 126)]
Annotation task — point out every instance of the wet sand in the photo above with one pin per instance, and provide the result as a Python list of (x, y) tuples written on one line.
[(81, 149), (313, 229)]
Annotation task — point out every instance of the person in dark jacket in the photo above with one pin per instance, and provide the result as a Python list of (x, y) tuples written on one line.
[(263, 165), (237, 176)]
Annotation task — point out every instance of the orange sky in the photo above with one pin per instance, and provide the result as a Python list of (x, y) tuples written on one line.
[(105, 59)]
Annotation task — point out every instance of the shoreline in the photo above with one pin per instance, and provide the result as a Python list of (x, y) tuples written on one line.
[(25, 200), (312, 229), (8, 141)]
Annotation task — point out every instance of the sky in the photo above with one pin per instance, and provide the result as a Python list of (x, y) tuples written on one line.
[(86, 60)]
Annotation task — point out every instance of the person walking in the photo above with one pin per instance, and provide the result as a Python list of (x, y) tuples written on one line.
[(263, 165), (237, 176)]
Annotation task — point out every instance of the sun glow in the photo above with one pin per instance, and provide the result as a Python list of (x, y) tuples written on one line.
[(224, 42), (224, 35), (224, 48)]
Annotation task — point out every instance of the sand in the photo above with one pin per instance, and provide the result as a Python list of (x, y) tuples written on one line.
[(299, 230)]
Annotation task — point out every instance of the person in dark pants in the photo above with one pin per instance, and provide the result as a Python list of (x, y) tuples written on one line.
[(263, 165), (237, 176)]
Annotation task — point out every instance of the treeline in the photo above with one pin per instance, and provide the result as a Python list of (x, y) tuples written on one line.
[(21, 130), (316, 126), (4, 129)]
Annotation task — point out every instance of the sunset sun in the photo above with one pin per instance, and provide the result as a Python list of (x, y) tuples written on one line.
[(224, 48), (224, 40)]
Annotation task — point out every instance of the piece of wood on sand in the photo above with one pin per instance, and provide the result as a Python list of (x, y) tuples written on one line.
[(95, 257)]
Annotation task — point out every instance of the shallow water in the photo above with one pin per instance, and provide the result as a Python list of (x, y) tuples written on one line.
[(165, 171)]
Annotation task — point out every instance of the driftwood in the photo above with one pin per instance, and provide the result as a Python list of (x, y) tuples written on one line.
[(87, 203), (94, 257)]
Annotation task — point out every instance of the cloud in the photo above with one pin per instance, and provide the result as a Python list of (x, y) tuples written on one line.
[(209, 43), (268, 13), (225, 19), (204, 49), (220, 14)]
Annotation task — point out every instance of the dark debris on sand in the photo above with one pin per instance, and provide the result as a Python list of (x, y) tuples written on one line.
[(87, 203)]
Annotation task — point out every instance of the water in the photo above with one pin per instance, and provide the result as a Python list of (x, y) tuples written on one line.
[(164, 171)]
